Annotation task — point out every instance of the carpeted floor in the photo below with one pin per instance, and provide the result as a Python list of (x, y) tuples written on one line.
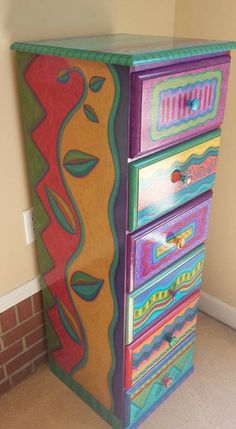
[(206, 400)]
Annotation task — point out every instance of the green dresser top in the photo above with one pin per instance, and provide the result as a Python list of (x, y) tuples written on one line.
[(125, 49)]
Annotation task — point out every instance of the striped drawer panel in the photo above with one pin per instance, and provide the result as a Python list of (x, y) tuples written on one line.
[(173, 104)]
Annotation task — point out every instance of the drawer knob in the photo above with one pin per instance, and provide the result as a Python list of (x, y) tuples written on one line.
[(172, 340), (177, 176), (173, 293), (167, 381), (193, 104), (180, 242)]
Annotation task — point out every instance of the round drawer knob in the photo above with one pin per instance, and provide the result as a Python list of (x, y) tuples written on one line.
[(193, 104), (177, 176), (173, 293), (167, 381), (172, 340), (180, 242)]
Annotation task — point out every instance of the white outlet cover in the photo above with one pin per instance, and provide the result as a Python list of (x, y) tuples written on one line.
[(28, 217)]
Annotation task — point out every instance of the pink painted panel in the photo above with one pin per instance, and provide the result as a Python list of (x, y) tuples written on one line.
[(172, 104)]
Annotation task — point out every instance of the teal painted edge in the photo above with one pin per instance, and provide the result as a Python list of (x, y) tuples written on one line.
[(125, 59), (113, 197), (133, 197), (110, 418), (135, 166)]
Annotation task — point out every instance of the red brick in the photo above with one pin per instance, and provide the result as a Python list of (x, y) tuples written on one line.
[(11, 352), (35, 336), (8, 319), (24, 310), (20, 375), (5, 386), (23, 329), (26, 357), (41, 360), (37, 302), (2, 376)]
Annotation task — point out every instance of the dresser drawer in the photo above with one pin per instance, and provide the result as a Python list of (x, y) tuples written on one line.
[(172, 104), (159, 383), (144, 353), (153, 301), (164, 181), (154, 248)]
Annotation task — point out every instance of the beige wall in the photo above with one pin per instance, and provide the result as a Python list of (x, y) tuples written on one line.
[(32, 19), (216, 19)]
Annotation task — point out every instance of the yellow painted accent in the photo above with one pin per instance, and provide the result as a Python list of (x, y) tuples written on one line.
[(92, 194), (167, 163), (172, 243), (164, 294)]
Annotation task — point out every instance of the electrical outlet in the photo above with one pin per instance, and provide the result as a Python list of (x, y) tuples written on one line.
[(28, 217)]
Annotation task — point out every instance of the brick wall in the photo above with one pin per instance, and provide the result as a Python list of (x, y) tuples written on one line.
[(22, 341)]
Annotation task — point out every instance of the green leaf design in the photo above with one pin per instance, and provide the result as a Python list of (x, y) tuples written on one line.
[(68, 322), (96, 83), (90, 113), (85, 286), (63, 76), (61, 211), (79, 164)]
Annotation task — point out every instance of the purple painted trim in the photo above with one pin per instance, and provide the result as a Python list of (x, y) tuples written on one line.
[(136, 103), (121, 127), (131, 238)]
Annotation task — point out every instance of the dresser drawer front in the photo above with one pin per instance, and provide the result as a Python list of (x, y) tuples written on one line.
[(149, 304), (144, 353), (159, 383), (164, 181), (155, 248), (176, 103)]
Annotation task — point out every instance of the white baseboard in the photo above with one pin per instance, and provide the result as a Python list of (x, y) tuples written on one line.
[(217, 309), (19, 294)]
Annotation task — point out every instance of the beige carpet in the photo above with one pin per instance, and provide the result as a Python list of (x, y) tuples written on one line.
[(206, 400)]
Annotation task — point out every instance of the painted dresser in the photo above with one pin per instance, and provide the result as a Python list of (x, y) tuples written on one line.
[(122, 135)]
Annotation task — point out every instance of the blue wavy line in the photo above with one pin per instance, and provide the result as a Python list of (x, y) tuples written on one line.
[(151, 212), (165, 174), (177, 325)]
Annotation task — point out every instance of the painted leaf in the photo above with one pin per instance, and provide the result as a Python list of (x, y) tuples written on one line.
[(85, 286), (69, 322), (61, 210), (96, 83), (90, 113), (63, 76), (78, 163)]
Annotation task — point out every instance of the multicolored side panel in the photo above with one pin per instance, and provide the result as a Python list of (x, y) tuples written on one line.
[(69, 108)]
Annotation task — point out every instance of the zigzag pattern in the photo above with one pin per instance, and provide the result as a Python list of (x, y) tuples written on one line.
[(152, 392), (176, 326)]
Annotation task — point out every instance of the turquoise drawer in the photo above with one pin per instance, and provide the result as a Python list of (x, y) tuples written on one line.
[(147, 394), (166, 180), (150, 303)]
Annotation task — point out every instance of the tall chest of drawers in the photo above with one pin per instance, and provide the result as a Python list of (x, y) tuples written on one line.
[(122, 135)]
